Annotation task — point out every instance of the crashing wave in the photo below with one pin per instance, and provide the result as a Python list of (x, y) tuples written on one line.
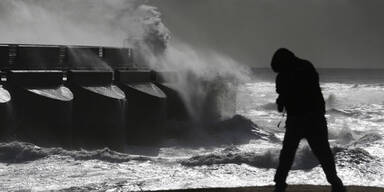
[(330, 102), (239, 127), (236, 130), (334, 111), (304, 159), (343, 135), (19, 152), (352, 156), (270, 106), (367, 139), (267, 160), (358, 159)]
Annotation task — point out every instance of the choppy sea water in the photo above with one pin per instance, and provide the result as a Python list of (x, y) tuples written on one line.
[(234, 157)]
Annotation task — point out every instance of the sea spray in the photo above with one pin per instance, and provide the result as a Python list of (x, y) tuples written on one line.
[(206, 79), (83, 58)]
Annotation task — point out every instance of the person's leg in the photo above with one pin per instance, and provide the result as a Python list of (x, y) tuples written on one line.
[(287, 155), (318, 141)]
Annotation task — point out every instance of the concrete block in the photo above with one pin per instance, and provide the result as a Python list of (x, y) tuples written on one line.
[(99, 117), (145, 112), (118, 58), (133, 76), (35, 78), (4, 56), (90, 77), (6, 116), (176, 108), (41, 119), (165, 77), (37, 57)]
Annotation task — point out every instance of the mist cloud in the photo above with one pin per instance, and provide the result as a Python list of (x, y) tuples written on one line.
[(85, 22)]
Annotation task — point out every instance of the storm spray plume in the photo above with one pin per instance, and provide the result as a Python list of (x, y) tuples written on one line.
[(205, 76)]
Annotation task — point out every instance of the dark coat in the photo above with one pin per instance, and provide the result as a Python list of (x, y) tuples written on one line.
[(299, 90)]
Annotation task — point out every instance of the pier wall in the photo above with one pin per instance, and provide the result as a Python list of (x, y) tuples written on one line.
[(84, 97)]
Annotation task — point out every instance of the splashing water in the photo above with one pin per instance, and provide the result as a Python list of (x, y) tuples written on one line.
[(199, 71)]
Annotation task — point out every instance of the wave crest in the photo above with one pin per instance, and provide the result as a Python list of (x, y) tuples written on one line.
[(19, 152), (304, 159)]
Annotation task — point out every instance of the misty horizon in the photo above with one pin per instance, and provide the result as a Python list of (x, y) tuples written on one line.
[(333, 68)]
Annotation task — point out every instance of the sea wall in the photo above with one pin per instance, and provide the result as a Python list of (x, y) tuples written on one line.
[(87, 97)]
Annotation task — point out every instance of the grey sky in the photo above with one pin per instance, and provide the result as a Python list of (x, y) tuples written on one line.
[(330, 33)]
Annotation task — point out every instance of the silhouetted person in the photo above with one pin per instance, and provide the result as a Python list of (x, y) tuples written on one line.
[(297, 84)]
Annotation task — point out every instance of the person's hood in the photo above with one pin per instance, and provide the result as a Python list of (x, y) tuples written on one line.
[(283, 60)]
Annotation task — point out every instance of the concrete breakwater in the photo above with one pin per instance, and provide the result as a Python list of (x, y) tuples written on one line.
[(82, 96)]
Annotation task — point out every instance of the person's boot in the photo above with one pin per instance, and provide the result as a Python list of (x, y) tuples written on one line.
[(337, 185), (280, 187), (339, 188)]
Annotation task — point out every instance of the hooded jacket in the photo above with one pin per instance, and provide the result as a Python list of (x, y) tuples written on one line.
[(297, 84)]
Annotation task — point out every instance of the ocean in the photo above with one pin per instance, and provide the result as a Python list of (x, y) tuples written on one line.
[(244, 152)]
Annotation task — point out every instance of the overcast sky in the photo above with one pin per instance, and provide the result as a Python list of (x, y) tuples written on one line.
[(330, 33)]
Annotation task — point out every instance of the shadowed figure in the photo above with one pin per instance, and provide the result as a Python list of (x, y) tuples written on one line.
[(297, 84)]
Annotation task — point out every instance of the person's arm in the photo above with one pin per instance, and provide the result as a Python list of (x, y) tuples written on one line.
[(280, 91)]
